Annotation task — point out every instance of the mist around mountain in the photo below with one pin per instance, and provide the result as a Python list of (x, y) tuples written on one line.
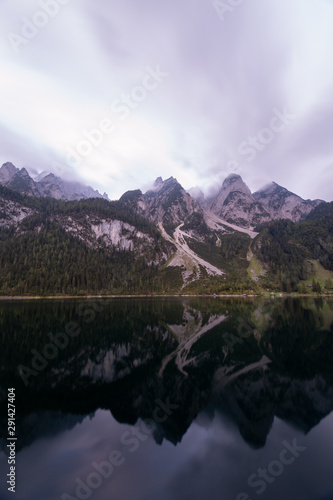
[(235, 203), (62, 238), (45, 184)]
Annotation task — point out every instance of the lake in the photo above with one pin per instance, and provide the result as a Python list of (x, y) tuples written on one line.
[(168, 398)]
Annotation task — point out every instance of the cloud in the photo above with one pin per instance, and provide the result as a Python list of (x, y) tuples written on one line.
[(225, 80)]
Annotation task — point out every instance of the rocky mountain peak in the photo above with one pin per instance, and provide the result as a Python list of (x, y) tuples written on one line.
[(7, 171), (167, 202), (267, 188), (48, 176), (22, 182), (232, 177), (273, 189), (9, 165), (171, 180), (24, 173), (235, 203), (283, 204), (234, 182), (45, 184), (158, 183), (161, 184)]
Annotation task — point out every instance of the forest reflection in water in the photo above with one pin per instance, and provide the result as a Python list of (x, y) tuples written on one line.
[(247, 368)]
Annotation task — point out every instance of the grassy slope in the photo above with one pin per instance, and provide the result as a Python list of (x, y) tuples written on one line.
[(317, 272), (256, 268)]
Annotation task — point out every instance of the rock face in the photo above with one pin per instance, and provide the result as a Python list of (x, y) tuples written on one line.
[(22, 182), (51, 185), (124, 236), (169, 202), (99, 232), (12, 213), (166, 202), (236, 204), (283, 204), (46, 185), (7, 171)]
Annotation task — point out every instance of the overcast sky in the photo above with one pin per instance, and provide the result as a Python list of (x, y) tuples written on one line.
[(181, 87)]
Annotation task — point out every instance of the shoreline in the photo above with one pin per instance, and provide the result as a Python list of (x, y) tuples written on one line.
[(68, 297), (276, 295)]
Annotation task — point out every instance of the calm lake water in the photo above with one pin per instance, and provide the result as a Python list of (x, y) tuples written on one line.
[(160, 399)]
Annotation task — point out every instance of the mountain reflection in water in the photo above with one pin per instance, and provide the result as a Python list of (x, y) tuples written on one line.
[(245, 361)]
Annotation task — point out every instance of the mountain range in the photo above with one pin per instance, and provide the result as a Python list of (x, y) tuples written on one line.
[(45, 184), (161, 241), (237, 204)]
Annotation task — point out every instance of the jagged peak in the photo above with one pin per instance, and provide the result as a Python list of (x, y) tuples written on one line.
[(160, 180), (267, 188), (7, 171), (234, 182), (233, 177), (24, 172), (45, 182), (274, 188), (48, 176), (131, 195), (160, 184), (9, 165), (54, 179), (9, 168), (171, 180)]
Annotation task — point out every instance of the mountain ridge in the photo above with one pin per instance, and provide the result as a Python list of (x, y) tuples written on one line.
[(230, 243), (167, 201), (45, 185)]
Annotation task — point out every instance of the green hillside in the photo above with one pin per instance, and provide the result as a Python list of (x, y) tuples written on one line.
[(39, 255)]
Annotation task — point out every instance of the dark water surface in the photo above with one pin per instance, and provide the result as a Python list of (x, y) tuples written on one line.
[(160, 399)]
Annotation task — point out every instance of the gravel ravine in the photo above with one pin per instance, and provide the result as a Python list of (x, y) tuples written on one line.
[(214, 221), (185, 257)]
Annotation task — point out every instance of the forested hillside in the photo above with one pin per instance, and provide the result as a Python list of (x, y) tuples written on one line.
[(287, 247), (41, 254), (94, 246)]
